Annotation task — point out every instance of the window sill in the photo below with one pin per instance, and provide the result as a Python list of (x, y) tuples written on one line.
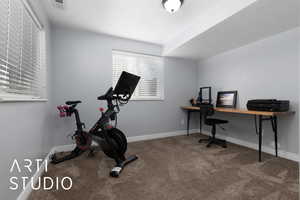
[(12, 100)]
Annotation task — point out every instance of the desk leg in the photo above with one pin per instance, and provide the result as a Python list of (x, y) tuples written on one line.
[(260, 136), (200, 122), (188, 123), (274, 126)]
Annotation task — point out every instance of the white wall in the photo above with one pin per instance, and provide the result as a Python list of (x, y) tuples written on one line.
[(24, 128), (265, 69), (82, 67)]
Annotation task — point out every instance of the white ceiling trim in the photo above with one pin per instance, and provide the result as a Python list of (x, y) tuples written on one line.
[(260, 20), (207, 20)]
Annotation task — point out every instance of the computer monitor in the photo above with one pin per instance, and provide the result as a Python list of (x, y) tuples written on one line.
[(126, 84), (227, 99), (204, 96)]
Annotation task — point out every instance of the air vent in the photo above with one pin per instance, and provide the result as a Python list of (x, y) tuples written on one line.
[(59, 4)]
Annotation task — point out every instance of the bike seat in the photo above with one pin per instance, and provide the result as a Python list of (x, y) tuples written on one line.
[(71, 103)]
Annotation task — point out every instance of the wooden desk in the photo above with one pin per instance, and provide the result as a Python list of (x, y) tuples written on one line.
[(262, 116)]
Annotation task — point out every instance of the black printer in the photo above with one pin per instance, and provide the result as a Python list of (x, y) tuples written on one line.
[(271, 105)]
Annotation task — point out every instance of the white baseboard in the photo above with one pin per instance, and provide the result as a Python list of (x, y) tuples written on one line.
[(159, 135), (64, 148), (27, 191), (265, 149)]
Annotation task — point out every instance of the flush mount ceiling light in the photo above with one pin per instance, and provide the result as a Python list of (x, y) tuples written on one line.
[(172, 5)]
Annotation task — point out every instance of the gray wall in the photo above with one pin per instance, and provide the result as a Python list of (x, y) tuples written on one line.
[(265, 69), (82, 67), (24, 128)]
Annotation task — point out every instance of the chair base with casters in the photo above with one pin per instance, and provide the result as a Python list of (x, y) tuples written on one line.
[(212, 139)]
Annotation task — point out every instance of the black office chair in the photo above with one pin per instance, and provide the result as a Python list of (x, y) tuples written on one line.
[(208, 110)]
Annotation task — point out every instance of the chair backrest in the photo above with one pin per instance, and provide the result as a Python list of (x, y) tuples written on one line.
[(206, 109)]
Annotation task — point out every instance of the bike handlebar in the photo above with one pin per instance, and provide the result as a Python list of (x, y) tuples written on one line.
[(109, 96), (103, 97)]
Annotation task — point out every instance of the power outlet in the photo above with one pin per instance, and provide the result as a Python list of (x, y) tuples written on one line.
[(182, 122)]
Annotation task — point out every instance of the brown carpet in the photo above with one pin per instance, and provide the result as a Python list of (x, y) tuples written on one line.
[(178, 168)]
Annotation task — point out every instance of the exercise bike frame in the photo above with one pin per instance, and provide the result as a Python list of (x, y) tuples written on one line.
[(99, 133)]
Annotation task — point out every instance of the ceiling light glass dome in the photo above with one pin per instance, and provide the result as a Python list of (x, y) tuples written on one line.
[(172, 5)]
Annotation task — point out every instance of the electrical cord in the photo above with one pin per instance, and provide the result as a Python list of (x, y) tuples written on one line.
[(120, 101), (116, 117), (116, 121)]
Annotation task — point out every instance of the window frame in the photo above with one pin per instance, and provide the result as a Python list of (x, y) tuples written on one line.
[(161, 77), (41, 97)]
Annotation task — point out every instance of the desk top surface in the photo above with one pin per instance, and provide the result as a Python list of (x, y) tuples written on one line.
[(241, 111)]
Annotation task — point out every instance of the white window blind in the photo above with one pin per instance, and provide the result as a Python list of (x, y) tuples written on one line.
[(149, 68), (20, 51)]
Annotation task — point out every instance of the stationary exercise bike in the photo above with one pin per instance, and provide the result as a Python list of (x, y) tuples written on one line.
[(111, 140)]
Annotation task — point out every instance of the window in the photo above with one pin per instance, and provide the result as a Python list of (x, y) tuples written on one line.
[(149, 68), (20, 52)]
